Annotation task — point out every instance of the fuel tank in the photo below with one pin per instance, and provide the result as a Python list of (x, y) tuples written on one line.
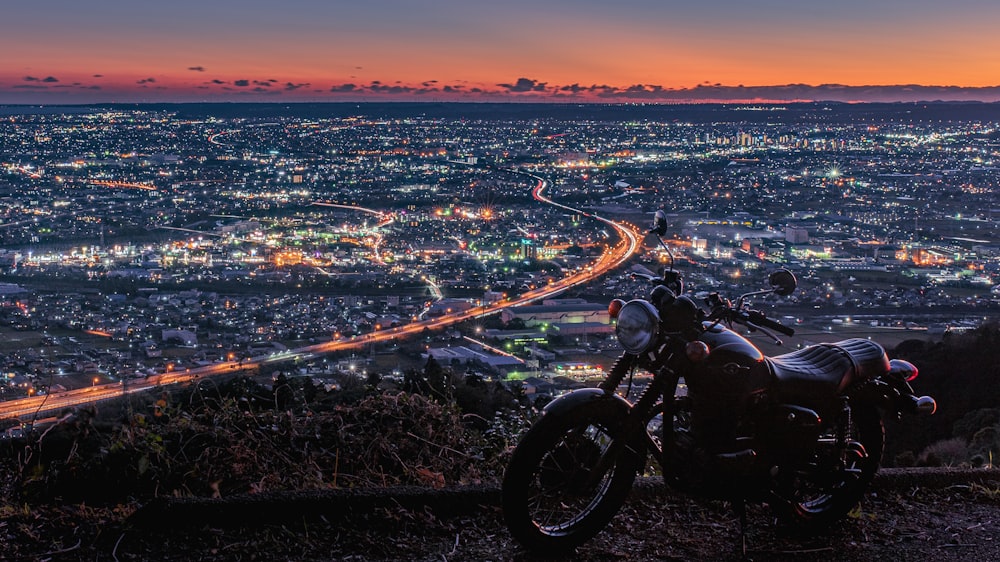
[(730, 345), (725, 384)]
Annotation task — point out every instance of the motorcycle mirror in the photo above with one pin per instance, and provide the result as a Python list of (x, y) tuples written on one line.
[(659, 223), (783, 282)]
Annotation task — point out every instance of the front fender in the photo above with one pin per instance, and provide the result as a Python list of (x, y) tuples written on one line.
[(566, 406), (582, 396)]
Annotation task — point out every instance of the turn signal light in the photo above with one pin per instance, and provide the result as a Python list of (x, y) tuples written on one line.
[(615, 307), (903, 369), (696, 351)]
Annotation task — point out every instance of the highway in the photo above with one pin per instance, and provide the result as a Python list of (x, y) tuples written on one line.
[(612, 258)]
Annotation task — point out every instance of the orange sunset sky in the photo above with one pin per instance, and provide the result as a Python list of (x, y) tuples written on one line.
[(61, 51)]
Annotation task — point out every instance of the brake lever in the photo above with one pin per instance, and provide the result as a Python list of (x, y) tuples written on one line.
[(753, 327)]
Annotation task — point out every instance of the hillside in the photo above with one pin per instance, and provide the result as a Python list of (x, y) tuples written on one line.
[(241, 472)]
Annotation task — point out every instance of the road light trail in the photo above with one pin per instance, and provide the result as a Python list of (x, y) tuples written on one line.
[(613, 257)]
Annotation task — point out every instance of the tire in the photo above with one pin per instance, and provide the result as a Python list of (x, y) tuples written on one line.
[(814, 501), (547, 505)]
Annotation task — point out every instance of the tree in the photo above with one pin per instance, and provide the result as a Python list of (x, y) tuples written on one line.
[(434, 381)]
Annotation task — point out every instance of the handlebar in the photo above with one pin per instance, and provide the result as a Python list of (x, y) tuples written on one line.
[(756, 317)]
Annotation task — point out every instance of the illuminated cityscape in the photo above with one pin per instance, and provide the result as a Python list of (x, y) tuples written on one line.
[(139, 241)]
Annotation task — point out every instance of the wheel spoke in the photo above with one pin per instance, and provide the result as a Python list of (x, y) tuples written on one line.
[(560, 497), (836, 479), (553, 498)]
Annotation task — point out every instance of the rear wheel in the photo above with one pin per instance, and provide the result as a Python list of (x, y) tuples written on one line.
[(553, 500), (828, 488)]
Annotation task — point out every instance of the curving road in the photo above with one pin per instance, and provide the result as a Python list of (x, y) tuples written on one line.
[(612, 258)]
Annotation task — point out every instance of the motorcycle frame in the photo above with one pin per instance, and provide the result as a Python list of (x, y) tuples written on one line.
[(659, 397)]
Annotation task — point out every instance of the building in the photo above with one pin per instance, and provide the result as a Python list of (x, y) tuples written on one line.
[(796, 234), (540, 315)]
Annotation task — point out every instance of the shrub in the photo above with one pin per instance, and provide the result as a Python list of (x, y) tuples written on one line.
[(227, 445), (950, 452)]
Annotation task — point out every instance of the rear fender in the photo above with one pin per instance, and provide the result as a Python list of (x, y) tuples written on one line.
[(877, 393)]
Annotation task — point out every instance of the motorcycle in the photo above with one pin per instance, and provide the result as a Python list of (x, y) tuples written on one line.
[(801, 432)]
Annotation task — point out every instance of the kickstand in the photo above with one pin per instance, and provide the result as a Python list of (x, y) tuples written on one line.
[(740, 506)]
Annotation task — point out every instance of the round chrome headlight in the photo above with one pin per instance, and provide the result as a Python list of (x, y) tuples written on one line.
[(638, 323)]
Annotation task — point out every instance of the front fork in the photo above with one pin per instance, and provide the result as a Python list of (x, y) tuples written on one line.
[(639, 414)]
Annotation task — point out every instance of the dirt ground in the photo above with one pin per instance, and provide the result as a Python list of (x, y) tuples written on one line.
[(957, 522)]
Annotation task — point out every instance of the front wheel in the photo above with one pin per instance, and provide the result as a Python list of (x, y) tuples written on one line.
[(552, 499), (829, 487)]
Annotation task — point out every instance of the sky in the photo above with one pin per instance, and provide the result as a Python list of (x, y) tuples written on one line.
[(656, 51)]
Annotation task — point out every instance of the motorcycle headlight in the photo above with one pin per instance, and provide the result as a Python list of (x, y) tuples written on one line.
[(637, 326)]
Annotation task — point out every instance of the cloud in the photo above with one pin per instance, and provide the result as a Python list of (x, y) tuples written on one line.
[(524, 88), (524, 85), (385, 89), (717, 92)]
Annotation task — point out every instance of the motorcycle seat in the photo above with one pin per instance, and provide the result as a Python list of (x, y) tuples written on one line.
[(826, 369)]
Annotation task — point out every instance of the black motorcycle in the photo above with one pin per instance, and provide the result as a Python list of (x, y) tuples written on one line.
[(801, 431)]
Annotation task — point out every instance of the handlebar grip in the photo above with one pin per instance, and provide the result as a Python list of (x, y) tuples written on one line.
[(759, 319)]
